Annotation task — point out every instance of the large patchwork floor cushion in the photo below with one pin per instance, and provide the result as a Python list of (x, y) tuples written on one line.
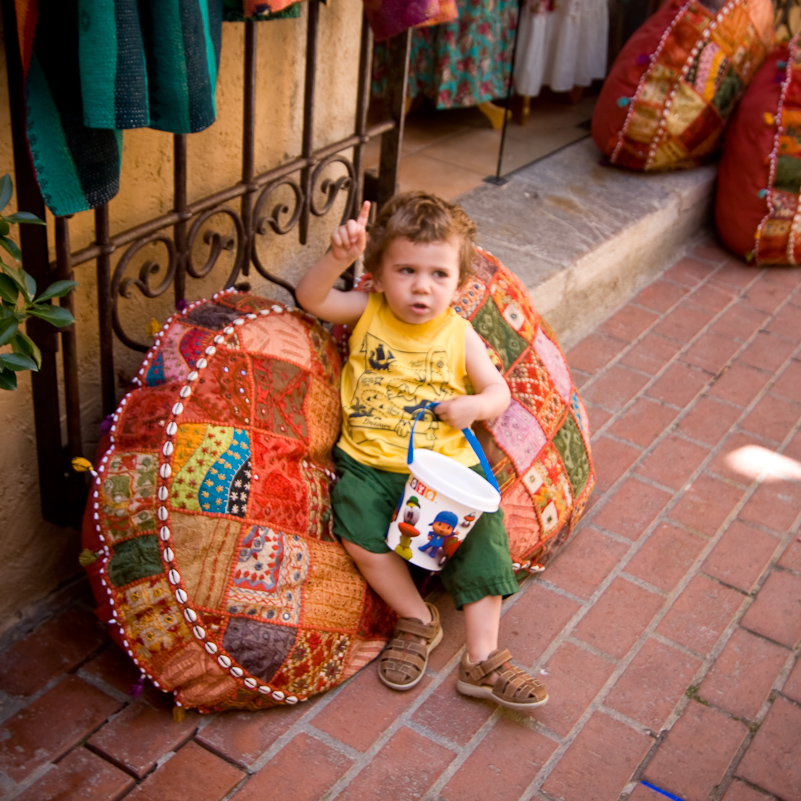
[(539, 449), (668, 96), (210, 514), (756, 207)]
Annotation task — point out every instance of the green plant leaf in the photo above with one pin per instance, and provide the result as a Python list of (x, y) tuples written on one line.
[(22, 343), (11, 246), (4, 227), (8, 379), (24, 217), (15, 274), (6, 190), (29, 285), (55, 315), (17, 361), (8, 328), (57, 290), (9, 291)]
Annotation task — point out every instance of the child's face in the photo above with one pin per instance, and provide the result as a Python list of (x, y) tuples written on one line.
[(419, 281)]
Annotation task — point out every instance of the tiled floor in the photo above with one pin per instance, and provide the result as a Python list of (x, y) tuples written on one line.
[(668, 629), (450, 152)]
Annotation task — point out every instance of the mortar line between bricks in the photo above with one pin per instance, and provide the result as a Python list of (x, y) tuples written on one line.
[(713, 451), (692, 571), (661, 316), (676, 358), (15, 789), (707, 662), (462, 755)]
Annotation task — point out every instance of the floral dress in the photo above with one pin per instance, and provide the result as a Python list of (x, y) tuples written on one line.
[(459, 63)]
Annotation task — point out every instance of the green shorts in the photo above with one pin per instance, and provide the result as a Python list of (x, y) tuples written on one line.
[(364, 500)]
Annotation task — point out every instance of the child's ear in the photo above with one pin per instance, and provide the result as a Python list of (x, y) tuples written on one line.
[(378, 284)]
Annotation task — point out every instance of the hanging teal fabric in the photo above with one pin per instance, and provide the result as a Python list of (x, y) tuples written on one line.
[(150, 64), (77, 167), (95, 67)]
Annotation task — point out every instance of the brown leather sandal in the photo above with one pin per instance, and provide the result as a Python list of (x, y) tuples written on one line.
[(513, 688), (404, 660)]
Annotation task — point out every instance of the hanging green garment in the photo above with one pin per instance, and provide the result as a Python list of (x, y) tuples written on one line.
[(92, 68), (149, 64)]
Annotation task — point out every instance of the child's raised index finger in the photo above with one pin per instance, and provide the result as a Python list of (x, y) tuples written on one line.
[(364, 214)]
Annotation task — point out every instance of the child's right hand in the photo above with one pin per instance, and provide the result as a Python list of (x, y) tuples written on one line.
[(349, 240)]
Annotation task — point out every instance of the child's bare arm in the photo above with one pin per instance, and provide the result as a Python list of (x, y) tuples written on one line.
[(491, 397), (316, 292)]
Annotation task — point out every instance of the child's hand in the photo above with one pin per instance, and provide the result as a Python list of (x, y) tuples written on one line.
[(459, 412), (349, 240)]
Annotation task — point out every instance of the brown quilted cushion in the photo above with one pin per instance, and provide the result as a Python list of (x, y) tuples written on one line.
[(667, 98), (217, 568)]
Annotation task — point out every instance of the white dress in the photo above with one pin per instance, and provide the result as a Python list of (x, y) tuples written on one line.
[(561, 44)]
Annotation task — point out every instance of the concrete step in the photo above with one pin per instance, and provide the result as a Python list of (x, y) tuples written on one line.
[(584, 237)]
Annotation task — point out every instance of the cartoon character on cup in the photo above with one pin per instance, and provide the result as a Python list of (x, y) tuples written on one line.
[(442, 530), (411, 514)]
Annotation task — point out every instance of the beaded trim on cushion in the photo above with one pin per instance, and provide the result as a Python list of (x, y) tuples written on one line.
[(679, 112), (776, 233)]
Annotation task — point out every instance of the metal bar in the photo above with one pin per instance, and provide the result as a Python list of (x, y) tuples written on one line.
[(72, 397), (248, 141), (91, 252), (74, 483), (509, 84), (313, 10), (107, 385), (180, 200), (398, 49), (362, 104), (33, 243)]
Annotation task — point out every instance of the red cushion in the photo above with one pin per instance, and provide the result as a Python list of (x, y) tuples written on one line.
[(217, 567), (758, 180), (669, 94)]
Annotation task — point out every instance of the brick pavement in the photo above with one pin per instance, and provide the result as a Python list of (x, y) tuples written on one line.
[(667, 631)]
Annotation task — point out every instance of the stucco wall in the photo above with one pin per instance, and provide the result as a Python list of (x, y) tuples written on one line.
[(36, 557)]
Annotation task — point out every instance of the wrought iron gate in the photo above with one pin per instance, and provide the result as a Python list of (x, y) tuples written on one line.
[(62, 491)]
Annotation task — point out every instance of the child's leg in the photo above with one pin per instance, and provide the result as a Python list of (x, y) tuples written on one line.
[(389, 576), (486, 671), (482, 620)]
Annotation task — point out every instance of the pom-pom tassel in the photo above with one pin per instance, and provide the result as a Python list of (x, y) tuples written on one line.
[(81, 465), (153, 327), (178, 713), (769, 118), (762, 193), (137, 688), (87, 557), (623, 101), (643, 59)]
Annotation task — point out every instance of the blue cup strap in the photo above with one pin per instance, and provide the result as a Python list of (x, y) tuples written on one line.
[(469, 436)]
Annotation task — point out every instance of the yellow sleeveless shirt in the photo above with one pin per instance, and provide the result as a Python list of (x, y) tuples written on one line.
[(393, 370)]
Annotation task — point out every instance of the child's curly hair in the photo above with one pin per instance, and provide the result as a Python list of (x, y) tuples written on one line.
[(421, 218)]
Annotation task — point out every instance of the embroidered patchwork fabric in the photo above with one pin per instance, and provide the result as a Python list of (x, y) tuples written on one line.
[(539, 448), (757, 204), (670, 92), (218, 569)]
